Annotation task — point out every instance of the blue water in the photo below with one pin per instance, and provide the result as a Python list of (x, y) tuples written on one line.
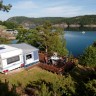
[(14, 41), (76, 41)]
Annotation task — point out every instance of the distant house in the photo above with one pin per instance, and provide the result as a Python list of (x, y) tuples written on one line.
[(11, 31), (30, 53), (10, 58)]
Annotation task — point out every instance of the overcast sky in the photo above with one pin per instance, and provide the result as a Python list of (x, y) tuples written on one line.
[(49, 8)]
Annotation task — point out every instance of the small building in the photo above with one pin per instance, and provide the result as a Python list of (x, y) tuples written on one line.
[(11, 31), (10, 58), (30, 53)]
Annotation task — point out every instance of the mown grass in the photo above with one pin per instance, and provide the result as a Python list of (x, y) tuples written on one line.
[(26, 76)]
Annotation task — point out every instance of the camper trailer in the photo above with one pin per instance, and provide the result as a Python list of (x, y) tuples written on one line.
[(30, 53), (10, 58)]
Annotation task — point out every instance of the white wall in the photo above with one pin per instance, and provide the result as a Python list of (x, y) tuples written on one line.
[(29, 61), (14, 65)]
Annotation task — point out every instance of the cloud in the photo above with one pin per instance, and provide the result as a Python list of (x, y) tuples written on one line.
[(62, 10), (25, 5)]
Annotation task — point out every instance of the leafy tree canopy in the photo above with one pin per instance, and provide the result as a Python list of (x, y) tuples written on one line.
[(89, 56), (45, 37), (5, 7)]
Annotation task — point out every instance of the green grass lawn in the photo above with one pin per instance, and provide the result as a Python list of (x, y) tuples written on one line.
[(26, 76), (74, 80)]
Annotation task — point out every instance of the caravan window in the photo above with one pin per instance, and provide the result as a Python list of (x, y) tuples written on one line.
[(13, 59), (29, 56)]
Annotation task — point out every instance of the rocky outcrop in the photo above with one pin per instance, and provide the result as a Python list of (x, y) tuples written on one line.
[(74, 25), (91, 25), (63, 25)]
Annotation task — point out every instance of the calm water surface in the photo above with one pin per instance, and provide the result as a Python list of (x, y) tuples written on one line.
[(78, 41)]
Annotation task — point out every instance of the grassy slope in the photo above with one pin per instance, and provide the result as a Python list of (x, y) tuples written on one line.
[(27, 76)]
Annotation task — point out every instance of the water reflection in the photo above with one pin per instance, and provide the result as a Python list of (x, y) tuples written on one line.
[(77, 42)]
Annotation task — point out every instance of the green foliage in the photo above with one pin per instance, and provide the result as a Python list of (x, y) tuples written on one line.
[(44, 91), (89, 57), (28, 36), (94, 44), (91, 88), (77, 83), (5, 91), (50, 39), (45, 37), (38, 82), (4, 40), (10, 25), (5, 7), (61, 86), (22, 35), (82, 78)]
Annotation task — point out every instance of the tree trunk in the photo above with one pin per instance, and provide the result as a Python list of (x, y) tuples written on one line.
[(46, 50)]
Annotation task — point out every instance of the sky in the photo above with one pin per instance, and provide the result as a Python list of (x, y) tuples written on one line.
[(49, 8)]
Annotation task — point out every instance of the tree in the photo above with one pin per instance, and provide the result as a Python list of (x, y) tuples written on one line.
[(91, 88), (5, 7), (94, 44), (10, 25), (45, 37), (27, 36), (89, 57), (51, 38), (4, 37)]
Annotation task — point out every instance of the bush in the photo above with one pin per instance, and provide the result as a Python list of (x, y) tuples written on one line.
[(89, 57), (91, 88), (59, 87)]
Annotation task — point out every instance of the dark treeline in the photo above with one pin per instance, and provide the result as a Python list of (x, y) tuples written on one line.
[(80, 29), (9, 24)]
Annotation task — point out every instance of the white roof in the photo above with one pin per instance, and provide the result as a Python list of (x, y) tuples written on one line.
[(5, 48)]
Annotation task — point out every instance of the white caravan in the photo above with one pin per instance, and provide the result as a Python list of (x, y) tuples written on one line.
[(30, 53), (10, 58)]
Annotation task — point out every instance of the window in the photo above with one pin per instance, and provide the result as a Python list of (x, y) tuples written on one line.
[(29, 56), (13, 59), (2, 48)]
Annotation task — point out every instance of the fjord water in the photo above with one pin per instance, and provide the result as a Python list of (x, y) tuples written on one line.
[(77, 41)]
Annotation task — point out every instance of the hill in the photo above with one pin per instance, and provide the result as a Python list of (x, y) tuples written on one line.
[(78, 21)]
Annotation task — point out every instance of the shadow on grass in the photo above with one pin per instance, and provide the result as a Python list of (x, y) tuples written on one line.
[(7, 90)]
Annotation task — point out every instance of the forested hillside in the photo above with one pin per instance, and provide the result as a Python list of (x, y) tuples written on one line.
[(87, 19)]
